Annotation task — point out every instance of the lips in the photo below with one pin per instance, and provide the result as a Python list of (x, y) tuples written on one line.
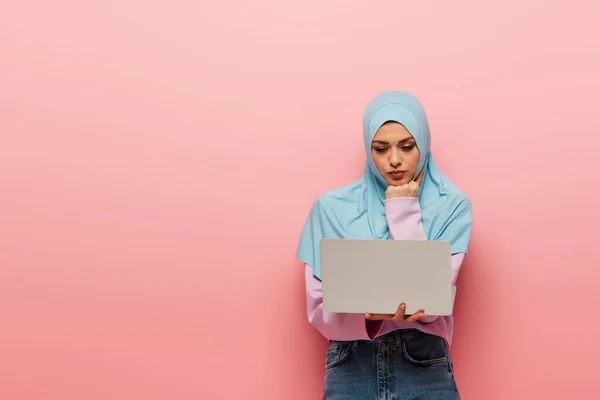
[(396, 174)]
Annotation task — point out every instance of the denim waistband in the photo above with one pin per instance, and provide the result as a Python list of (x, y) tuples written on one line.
[(397, 336)]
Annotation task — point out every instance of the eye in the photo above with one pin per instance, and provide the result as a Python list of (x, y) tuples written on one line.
[(380, 149), (408, 147)]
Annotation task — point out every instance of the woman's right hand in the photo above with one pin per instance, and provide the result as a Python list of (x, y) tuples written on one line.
[(399, 316)]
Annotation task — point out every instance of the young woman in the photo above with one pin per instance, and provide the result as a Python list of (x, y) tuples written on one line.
[(401, 196)]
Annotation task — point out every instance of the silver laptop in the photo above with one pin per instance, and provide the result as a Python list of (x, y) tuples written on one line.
[(376, 276)]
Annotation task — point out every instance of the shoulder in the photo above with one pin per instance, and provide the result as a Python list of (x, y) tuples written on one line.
[(439, 187), (460, 209), (454, 219), (331, 198), (455, 195)]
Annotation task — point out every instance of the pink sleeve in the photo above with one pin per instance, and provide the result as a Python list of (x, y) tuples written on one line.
[(335, 326), (404, 220)]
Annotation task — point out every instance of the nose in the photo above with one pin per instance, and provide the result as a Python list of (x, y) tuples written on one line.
[(395, 158)]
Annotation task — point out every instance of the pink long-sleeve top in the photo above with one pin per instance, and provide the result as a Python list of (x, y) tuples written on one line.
[(404, 219)]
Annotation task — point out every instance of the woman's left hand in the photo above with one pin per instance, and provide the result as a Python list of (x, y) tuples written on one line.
[(399, 316), (410, 189)]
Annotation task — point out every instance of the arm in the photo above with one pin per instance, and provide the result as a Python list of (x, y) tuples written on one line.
[(404, 220), (335, 326)]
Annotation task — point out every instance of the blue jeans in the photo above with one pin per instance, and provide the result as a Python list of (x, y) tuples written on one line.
[(403, 364)]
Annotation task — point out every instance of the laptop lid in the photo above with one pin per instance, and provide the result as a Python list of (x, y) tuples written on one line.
[(376, 276)]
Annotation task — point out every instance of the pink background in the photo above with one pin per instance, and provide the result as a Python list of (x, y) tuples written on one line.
[(126, 126)]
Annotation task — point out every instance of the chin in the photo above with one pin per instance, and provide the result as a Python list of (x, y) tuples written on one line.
[(397, 183)]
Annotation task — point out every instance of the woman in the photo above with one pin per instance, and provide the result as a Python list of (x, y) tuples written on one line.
[(401, 196)]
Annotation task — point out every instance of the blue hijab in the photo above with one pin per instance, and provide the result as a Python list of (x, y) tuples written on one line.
[(357, 210)]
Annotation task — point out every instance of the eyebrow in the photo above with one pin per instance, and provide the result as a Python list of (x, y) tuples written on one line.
[(408, 139)]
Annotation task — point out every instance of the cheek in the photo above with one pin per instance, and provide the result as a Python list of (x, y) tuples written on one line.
[(380, 161), (413, 160)]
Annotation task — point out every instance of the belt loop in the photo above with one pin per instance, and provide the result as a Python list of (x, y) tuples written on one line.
[(398, 338)]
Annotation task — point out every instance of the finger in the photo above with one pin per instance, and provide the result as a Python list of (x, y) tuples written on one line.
[(399, 316), (420, 176), (377, 317), (373, 317), (415, 317)]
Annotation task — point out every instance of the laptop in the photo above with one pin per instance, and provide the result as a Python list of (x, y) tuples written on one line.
[(376, 276)]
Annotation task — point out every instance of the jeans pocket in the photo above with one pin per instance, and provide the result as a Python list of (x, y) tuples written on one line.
[(423, 349), (337, 353)]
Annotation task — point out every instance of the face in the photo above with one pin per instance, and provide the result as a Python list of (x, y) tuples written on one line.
[(395, 153)]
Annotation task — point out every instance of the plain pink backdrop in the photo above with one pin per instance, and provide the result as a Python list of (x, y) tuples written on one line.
[(158, 159)]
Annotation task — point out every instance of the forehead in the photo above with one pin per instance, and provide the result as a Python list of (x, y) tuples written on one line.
[(392, 132)]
